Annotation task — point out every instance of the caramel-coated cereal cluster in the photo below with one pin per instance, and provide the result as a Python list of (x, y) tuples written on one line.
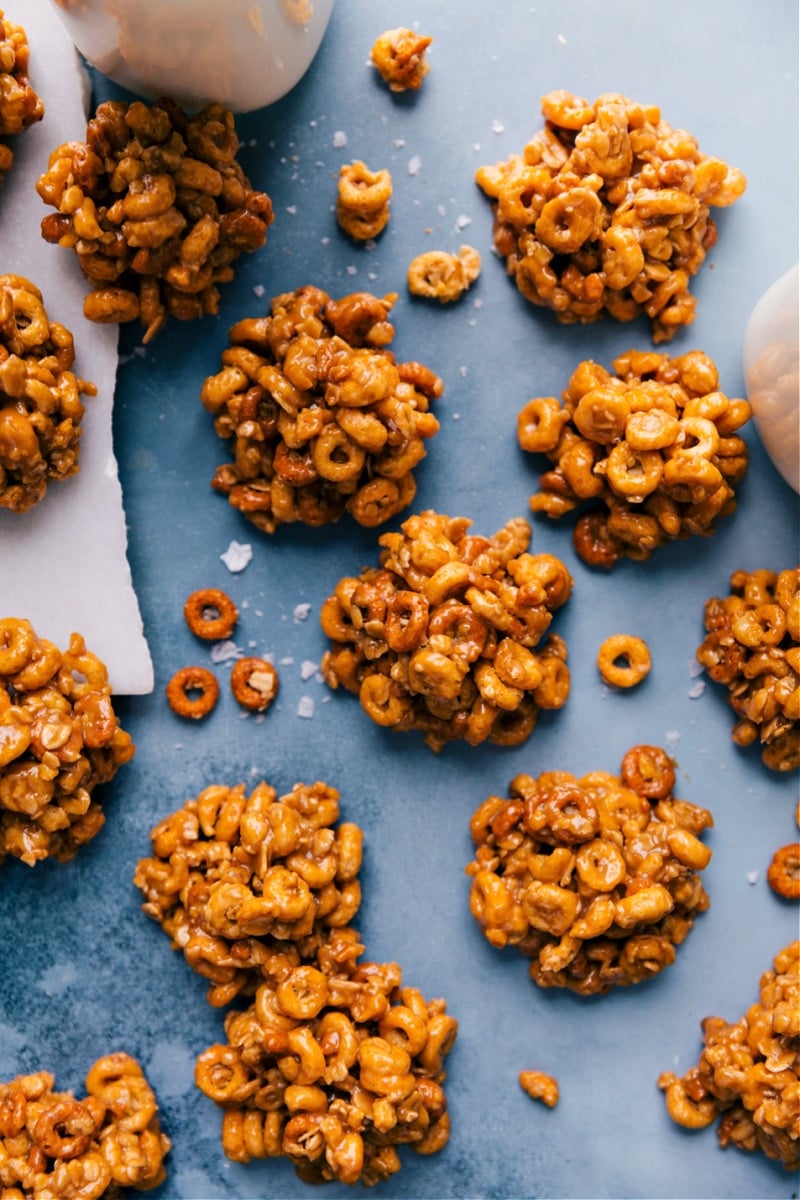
[(752, 647), (606, 210), (748, 1074), (20, 107), (440, 275), (596, 879), (443, 636), (59, 739), (399, 57), (653, 450), (40, 397), (334, 1066), (156, 207), (362, 200), (324, 420), (54, 1147), (236, 881)]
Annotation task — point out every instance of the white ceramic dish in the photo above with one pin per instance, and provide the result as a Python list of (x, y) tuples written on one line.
[(772, 375)]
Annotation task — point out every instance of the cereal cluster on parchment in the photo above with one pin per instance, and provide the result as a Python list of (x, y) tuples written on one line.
[(20, 106), (606, 210), (449, 635), (324, 419), (649, 451)]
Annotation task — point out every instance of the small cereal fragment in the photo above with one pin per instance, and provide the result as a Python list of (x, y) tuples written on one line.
[(254, 683), (623, 660), (192, 692), (783, 873), (439, 275), (362, 200), (399, 56), (540, 1086), (20, 107), (211, 614)]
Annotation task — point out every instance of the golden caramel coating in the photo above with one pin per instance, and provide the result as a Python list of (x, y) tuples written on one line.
[(439, 275), (40, 397), (192, 692), (540, 1086), (254, 683), (362, 200), (324, 420), (623, 660), (597, 879), (606, 210), (237, 881), (444, 636), (748, 1074), (653, 449), (59, 739), (752, 648), (783, 873), (156, 207), (399, 57), (335, 1065), (210, 614), (54, 1147), (20, 107)]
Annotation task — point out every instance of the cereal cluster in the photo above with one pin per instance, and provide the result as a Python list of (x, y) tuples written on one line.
[(440, 275), (652, 449), (596, 879), (324, 420), (59, 739), (335, 1065), (156, 207), (362, 200), (748, 1074), (237, 880), (607, 210), (54, 1147), (40, 397), (752, 647), (442, 636), (20, 107), (399, 57)]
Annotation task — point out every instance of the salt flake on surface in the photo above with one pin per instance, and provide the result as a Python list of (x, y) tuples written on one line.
[(288, 661), (414, 165), (227, 651), (259, 290), (237, 556), (695, 668), (399, 143), (301, 612), (697, 689), (291, 210), (562, 41), (308, 668), (498, 127), (339, 139), (752, 877), (463, 221), (672, 737), (305, 707), (352, 270)]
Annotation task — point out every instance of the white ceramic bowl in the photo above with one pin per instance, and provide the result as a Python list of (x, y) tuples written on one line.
[(772, 374), (242, 53)]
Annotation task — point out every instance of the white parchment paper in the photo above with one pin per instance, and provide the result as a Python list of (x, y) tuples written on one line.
[(63, 564)]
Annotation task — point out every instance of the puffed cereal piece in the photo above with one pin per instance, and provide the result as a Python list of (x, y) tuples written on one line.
[(399, 56), (783, 873), (540, 1086), (748, 1073), (59, 740), (440, 275), (20, 107), (624, 660), (54, 1145), (362, 200), (595, 879)]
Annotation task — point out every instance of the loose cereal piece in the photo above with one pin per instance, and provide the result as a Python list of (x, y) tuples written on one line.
[(156, 207), (748, 1074), (210, 614), (595, 879), (59, 739), (334, 1066), (444, 636), (254, 683), (783, 873), (238, 882), (325, 421), (53, 1145), (624, 660), (752, 648), (192, 692), (606, 210), (439, 275), (40, 405), (540, 1086), (652, 449), (20, 107), (399, 56), (362, 200)]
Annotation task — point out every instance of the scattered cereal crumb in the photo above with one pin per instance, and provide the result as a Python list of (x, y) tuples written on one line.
[(308, 668), (259, 290), (305, 707), (339, 139), (752, 877), (226, 651), (414, 165), (301, 612), (498, 127), (237, 556), (695, 668), (540, 1086), (697, 689)]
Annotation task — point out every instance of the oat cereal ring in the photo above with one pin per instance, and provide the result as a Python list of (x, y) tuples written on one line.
[(648, 771), (623, 660), (192, 692), (440, 275), (363, 190), (783, 873), (254, 683), (399, 57), (210, 614), (540, 1086)]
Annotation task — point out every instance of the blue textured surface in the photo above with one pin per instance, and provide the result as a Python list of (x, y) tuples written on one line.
[(84, 972)]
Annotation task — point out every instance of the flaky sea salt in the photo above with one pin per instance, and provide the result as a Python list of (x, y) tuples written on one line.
[(498, 127), (305, 707), (237, 556), (697, 689), (227, 651), (339, 139), (259, 290), (463, 221), (695, 668), (672, 737), (301, 612), (414, 165), (308, 669), (752, 877)]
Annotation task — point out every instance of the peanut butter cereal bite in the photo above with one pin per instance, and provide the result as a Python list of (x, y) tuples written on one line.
[(447, 635), (335, 1066), (323, 419), (440, 275), (752, 648), (54, 1147), (747, 1078), (157, 209), (649, 451), (606, 210), (20, 107), (596, 879), (59, 740), (399, 57), (362, 200)]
